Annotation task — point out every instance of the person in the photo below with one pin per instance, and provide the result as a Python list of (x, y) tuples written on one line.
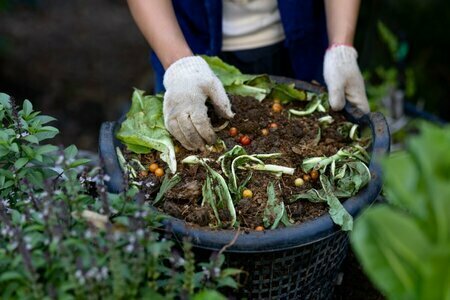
[(302, 39)]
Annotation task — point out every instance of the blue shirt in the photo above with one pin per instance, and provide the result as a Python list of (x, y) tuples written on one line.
[(303, 23)]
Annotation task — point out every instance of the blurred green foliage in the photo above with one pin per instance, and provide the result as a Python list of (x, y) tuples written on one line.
[(404, 246), (422, 25)]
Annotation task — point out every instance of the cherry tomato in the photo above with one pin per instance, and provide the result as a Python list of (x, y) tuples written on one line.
[(299, 182), (259, 228), (306, 177), (277, 107), (245, 140), (159, 172), (233, 131), (247, 193), (314, 174), (152, 168), (177, 149), (273, 125)]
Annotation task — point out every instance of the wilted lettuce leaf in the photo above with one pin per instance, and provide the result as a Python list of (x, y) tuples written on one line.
[(236, 83), (274, 210), (287, 92), (257, 86), (347, 176), (143, 130), (328, 194)]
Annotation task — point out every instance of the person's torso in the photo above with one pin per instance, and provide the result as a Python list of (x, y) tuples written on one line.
[(249, 24)]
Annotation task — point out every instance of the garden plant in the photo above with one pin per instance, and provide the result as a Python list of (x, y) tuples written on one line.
[(63, 236)]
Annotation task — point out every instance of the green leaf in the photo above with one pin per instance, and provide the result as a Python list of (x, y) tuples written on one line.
[(21, 162), (337, 211), (12, 276), (27, 107), (14, 148), (210, 197), (46, 132), (217, 184), (166, 185), (309, 109), (226, 159), (32, 139), (247, 91), (391, 247), (7, 184), (236, 83), (45, 119), (4, 100), (4, 137), (46, 149), (144, 128), (70, 152), (208, 295), (78, 162), (274, 210), (287, 93), (388, 38)]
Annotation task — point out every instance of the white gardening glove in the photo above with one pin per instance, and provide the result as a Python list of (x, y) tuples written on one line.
[(343, 78), (189, 82)]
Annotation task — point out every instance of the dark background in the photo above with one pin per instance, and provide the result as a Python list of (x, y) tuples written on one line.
[(78, 60)]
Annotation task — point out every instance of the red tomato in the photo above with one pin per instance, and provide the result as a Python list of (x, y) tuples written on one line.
[(245, 140)]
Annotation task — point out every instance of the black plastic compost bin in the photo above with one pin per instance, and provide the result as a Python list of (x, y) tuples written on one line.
[(298, 262)]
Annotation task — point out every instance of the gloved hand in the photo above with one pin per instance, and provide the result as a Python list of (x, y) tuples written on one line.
[(343, 78), (189, 82)]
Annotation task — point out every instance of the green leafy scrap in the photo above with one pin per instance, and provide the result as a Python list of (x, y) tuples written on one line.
[(348, 174), (218, 185), (144, 131), (287, 92), (166, 185), (236, 83), (275, 211)]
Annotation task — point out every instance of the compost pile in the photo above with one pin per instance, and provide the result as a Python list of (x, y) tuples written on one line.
[(280, 161)]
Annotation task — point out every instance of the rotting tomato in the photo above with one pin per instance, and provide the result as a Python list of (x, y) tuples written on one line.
[(273, 125), (314, 174), (245, 140), (265, 132)]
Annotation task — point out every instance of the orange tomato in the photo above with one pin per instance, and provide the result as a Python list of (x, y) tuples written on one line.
[(159, 172), (152, 168)]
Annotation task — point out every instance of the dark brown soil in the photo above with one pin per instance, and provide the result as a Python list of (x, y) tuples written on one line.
[(294, 137)]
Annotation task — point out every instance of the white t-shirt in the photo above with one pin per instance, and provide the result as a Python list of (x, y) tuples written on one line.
[(249, 24)]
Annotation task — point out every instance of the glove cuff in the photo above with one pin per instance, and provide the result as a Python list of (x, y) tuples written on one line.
[(190, 66), (341, 52)]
